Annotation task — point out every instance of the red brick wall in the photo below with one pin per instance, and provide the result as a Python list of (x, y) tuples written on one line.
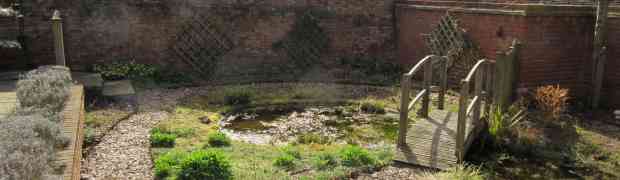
[(145, 30), (556, 49)]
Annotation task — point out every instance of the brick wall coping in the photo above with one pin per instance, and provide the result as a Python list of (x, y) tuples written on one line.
[(512, 9)]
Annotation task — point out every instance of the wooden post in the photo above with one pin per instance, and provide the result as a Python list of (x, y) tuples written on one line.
[(488, 89), (478, 93), (506, 75), (404, 110), (599, 54), (443, 84), (460, 128), (59, 45), (428, 79)]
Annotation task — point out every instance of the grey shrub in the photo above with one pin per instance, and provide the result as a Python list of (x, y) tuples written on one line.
[(44, 89), (28, 145)]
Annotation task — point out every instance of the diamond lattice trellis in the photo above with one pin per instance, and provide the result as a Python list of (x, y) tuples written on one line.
[(306, 42), (202, 42), (449, 39)]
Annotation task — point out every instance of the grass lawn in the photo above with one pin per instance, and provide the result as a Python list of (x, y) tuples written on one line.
[(252, 161)]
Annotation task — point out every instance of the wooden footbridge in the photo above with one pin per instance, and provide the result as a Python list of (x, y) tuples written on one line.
[(440, 138)]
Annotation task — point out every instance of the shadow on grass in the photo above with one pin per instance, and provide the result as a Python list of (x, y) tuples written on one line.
[(541, 150)]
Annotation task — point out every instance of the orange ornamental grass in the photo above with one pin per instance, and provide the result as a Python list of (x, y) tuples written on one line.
[(552, 100)]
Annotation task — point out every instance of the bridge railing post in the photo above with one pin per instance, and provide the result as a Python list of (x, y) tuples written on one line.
[(443, 83), (428, 79), (462, 117), (405, 86), (478, 93), (488, 88)]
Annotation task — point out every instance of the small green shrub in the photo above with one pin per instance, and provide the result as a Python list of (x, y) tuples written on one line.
[(372, 106), (324, 161), (292, 151), (125, 70), (168, 163), (285, 161), (162, 139), (89, 136), (373, 69), (355, 156), (238, 96), (205, 164), (218, 139), (312, 138)]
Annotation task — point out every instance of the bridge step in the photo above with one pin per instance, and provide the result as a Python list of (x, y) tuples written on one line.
[(431, 141)]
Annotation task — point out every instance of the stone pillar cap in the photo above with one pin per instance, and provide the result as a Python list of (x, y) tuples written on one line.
[(56, 15)]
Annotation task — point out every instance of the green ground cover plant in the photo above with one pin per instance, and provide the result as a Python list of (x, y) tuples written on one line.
[(218, 139)]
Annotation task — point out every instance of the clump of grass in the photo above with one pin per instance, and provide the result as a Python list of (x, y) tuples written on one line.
[(238, 96), (288, 157), (312, 138), (306, 93), (168, 163), (205, 164), (292, 151), (502, 123), (218, 139), (552, 100), (373, 106), (324, 161), (460, 172), (355, 156), (160, 139), (285, 161)]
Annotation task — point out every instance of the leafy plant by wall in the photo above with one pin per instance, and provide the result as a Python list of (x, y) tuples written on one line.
[(306, 42), (125, 70), (372, 69)]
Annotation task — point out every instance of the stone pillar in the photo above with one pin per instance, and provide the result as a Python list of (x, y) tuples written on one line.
[(59, 45)]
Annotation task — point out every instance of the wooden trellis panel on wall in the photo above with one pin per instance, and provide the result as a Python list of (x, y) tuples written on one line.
[(448, 39), (202, 42)]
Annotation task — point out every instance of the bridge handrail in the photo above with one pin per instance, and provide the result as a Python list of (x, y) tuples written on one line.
[(426, 64), (482, 69), (420, 63)]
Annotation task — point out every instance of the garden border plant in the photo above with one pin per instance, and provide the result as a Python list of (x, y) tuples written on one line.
[(32, 135)]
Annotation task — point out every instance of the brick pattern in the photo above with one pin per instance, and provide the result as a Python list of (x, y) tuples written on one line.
[(556, 50), (145, 30)]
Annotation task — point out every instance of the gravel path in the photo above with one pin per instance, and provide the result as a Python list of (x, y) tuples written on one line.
[(124, 153), (396, 171)]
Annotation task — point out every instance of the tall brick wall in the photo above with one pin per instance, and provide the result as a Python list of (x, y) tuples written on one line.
[(104, 31), (557, 46), (556, 39)]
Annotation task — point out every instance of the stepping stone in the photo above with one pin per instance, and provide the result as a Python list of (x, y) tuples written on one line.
[(89, 80), (10, 76), (120, 91)]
